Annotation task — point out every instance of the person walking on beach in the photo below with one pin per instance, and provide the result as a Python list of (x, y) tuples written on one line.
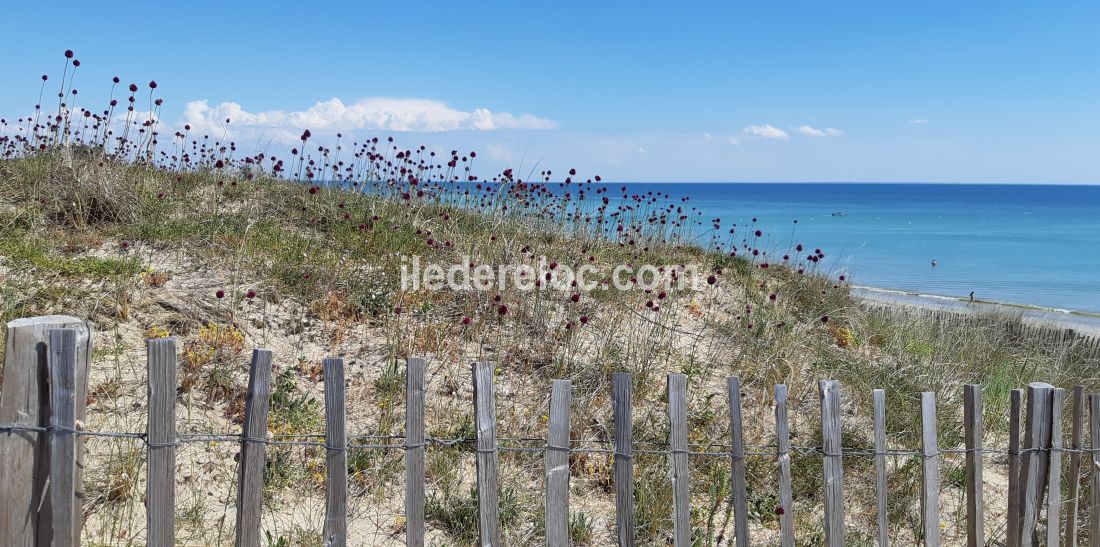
[(971, 297)]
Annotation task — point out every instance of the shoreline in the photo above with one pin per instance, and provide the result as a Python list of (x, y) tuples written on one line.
[(1080, 321)]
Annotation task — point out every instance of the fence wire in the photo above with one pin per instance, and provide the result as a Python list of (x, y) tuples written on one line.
[(516, 444)]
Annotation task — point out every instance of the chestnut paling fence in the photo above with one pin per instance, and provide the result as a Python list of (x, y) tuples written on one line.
[(42, 405)]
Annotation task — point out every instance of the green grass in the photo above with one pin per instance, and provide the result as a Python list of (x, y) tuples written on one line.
[(298, 251), (25, 250)]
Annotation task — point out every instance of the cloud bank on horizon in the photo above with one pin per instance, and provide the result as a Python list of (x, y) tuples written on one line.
[(367, 114)]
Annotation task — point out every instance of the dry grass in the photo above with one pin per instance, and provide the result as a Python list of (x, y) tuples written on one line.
[(141, 250)]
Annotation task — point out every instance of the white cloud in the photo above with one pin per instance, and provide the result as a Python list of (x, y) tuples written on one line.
[(372, 113), (766, 131), (918, 121), (815, 132), (734, 141)]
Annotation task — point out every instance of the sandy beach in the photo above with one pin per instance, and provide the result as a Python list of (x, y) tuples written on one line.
[(1082, 322)]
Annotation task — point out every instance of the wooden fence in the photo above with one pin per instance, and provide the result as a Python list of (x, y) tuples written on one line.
[(45, 379)]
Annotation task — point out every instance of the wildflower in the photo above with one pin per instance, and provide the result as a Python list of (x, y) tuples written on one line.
[(397, 310), (250, 295), (711, 280), (68, 54), (220, 294), (152, 84), (133, 88), (584, 319), (824, 318), (466, 320), (502, 310)]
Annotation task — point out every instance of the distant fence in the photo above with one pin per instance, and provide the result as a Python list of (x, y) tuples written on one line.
[(1044, 335), (45, 379)]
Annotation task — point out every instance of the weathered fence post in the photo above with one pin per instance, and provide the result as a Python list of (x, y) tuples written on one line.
[(678, 460), (737, 461), (975, 500), (336, 455), (1075, 465), (878, 398), (783, 454), (1012, 527), (557, 465), (485, 416), (833, 466), (930, 477), (1035, 461), (621, 392), (250, 479), (61, 362), (1094, 487), (160, 489), (23, 401), (1054, 475), (414, 452)]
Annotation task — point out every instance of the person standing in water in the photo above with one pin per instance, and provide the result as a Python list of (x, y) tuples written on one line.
[(933, 262)]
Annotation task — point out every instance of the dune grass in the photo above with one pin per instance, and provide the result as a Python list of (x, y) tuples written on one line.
[(311, 273)]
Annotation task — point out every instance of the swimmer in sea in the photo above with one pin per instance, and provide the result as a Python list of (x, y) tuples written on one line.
[(933, 262)]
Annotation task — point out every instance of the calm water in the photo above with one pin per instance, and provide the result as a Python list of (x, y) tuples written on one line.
[(1013, 243)]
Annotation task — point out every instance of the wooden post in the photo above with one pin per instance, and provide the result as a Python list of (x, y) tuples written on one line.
[(972, 430), (621, 391), (414, 452), (1054, 473), (336, 455), (1034, 463), (485, 415), (250, 479), (930, 483), (1073, 504), (737, 459), (557, 465), (61, 362), (1012, 528), (878, 397), (783, 454), (833, 466), (678, 460), (160, 490), (24, 401), (1094, 487)]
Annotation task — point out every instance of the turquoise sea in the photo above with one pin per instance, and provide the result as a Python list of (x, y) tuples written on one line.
[(1025, 244)]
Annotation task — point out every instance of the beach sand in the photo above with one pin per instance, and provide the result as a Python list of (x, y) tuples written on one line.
[(1082, 322)]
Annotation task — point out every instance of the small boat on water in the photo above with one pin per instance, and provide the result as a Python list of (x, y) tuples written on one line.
[(840, 214)]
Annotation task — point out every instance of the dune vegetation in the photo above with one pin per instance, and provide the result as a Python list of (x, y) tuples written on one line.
[(148, 230)]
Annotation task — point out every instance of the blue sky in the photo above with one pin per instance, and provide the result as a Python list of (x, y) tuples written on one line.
[(746, 91)]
